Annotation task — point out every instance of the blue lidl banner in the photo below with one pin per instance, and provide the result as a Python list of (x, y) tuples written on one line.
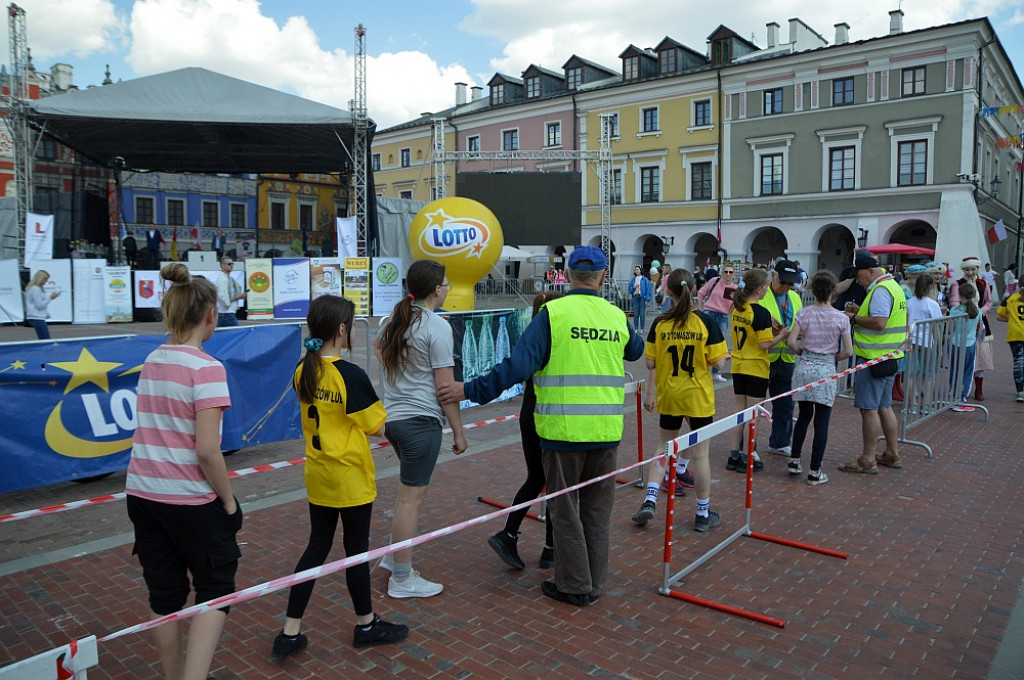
[(68, 408)]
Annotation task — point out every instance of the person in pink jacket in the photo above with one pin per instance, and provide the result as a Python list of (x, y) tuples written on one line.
[(715, 299)]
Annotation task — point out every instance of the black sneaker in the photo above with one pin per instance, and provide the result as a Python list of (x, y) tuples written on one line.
[(551, 590), (706, 523), (547, 558), (286, 646), (645, 514), (735, 462), (505, 546), (380, 632), (794, 466)]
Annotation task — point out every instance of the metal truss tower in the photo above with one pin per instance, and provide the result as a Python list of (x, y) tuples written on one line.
[(360, 150), (15, 116)]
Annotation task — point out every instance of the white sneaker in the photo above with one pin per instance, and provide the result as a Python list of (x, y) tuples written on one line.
[(816, 480), (1020, 396), (413, 586), (387, 562), (782, 450), (720, 378)]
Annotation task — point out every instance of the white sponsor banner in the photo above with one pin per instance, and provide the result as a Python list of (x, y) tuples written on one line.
[(88, 283), (12, 305), (60, 307), (347, 246), (149, 289), (38, 238), (117, 294), (324, 277), (291, 287), (387, 284)]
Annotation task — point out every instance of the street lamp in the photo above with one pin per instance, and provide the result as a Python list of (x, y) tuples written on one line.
[(862, 237), (666, 242)]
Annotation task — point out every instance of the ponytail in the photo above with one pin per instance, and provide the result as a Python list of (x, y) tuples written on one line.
[(680, 283), (753, 279), (968, 292), (423, 278)]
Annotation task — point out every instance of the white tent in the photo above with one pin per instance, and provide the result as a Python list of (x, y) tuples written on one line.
[(511, 253)]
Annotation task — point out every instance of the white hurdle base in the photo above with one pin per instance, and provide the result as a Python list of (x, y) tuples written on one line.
[(45, 666)]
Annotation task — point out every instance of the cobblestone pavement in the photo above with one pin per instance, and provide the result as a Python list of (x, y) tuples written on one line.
[(929, 590)]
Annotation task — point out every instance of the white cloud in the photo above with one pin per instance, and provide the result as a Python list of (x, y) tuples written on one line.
[(235, 38), (59, 27)]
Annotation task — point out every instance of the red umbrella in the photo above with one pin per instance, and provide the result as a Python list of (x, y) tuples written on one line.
[(900, 249)]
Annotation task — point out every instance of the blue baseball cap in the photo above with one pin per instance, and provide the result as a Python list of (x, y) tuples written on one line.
[(584, 253)]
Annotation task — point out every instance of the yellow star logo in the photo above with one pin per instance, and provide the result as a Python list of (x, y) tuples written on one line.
[(436, 219), (87, 369), (16, 366)]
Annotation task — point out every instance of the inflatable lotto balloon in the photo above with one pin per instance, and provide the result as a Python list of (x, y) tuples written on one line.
[(465, 237)]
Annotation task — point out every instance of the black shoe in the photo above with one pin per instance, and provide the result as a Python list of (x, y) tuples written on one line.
[(735, 463), (547, 558), (645, 514), (380, 633), (706, 523), (286, 646), (505, 546), (551, 590)]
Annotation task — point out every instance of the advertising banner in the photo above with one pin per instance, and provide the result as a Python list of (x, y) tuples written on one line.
[(117, 294), (12, 304), (483, 340), (291, 287), (387, 284), (245, 245), (60, 307), (69, 407), (259, 277), (88, 290), (357, 283), (38, 238), (324, 277), (149, 289), (347, 244)]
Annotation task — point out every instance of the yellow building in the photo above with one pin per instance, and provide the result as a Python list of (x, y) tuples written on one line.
[(402, 160), (287, 205)]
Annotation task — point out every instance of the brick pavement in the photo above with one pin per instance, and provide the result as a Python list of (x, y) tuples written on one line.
[(933, 575)]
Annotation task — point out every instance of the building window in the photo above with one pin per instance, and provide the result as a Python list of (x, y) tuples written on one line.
[(842, 168), (532, 87), (498, 94), (510, 140), (175, 212), (277, 215), (574, 77), (376, 162), (238, 215), (842, 91), (406, 158), (434, 195), (211, 214), (771, 174), (649, 118), (407, 194), (616, 187), (773, 101), (667, 61), (702, 113), (721, 52), (650, 185), (631, 68), (46, 149), (306, 216), (613, 124), (473, 143), (554, 135), (913, 81), (913, 163), (700, 181), (143, 210)]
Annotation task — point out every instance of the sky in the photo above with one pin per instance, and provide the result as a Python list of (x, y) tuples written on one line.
[(416, 50)]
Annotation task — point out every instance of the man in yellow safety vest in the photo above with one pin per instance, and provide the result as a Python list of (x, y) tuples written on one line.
[(782, 302)]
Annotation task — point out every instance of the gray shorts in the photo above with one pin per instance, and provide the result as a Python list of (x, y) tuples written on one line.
[(871, 393), (417, 443)]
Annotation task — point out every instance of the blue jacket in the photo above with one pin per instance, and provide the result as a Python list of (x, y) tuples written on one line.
[(531, 354), (646, 289)]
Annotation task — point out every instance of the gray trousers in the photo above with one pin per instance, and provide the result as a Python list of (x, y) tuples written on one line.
[(580, 520)]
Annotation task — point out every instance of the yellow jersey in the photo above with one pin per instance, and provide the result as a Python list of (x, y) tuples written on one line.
[(682, 357), (1012, 310), (749, 328)]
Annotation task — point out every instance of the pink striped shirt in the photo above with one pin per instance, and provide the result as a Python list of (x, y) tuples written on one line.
[(176, 382), (821, 329)]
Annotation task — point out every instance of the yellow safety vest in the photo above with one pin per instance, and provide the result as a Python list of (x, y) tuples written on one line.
[(781, 349), (580, 390), (870, 344)]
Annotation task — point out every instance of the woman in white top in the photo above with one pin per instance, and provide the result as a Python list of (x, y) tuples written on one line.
[(36, 302)]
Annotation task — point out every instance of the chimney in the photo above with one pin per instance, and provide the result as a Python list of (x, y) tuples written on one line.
[(61, 75), (476, 92), (773, 35), (794, 32), (842, 33), (460, 94), (895, 22)]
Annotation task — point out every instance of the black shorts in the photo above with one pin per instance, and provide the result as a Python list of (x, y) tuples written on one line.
[(417, 443), (749, 386), (173, 541), (675, 423)]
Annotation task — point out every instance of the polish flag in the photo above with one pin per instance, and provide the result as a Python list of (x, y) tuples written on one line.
[(195, 237), (997, 232)]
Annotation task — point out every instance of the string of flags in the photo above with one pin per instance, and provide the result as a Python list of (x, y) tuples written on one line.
[(1008, 142), (1000, 110)]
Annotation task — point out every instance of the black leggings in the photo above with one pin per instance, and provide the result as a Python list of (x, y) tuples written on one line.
[(534, 483), (821, 415), (323, 522)]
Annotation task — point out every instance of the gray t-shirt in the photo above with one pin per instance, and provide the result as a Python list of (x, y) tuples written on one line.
[(414, 393)]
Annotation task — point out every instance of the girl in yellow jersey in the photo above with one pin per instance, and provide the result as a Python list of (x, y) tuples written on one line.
[(682, 346), (753, 332)]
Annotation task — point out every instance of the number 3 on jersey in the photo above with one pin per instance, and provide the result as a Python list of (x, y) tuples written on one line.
[(684, 362)]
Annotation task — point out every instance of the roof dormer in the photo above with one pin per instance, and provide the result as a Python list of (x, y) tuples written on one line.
[(540, 82), (638, 64), (724, 45), (675, 57), (580, 71), (505, 89)]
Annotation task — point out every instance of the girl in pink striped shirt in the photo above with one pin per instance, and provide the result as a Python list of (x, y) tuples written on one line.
[(179, 497)]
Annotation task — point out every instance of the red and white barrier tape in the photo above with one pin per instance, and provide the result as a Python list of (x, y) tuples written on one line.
[(100, 500)]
